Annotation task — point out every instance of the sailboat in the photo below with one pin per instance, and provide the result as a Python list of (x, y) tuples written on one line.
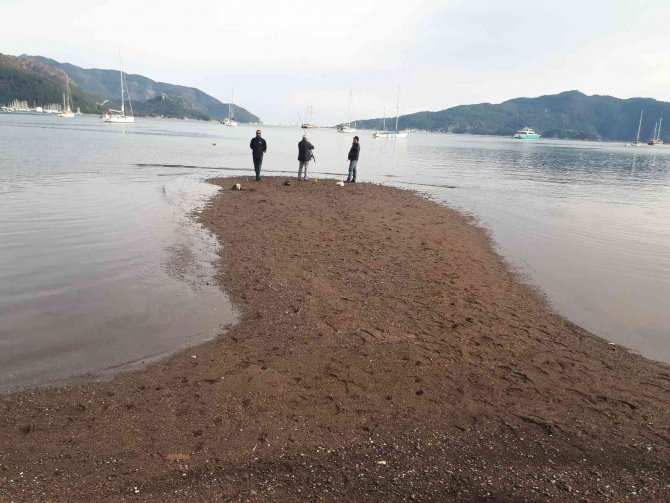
[(395, 133), (67, 101), (310, 118), (656, 138), (119, 116), (637, 142), (346, 128), (230, 120)]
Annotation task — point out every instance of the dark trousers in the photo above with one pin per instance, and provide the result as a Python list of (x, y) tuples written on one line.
[(258, 161)]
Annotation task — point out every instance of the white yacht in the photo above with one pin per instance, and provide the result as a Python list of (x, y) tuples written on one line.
[(637, 142), (67, 101), (119, 116), (230, 120), (347, 128), (526, 134), (395, 133)]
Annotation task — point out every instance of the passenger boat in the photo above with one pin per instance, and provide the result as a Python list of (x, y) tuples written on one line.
[(526, 134)]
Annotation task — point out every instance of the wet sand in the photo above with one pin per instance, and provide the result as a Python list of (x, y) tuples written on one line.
[(384, 353)]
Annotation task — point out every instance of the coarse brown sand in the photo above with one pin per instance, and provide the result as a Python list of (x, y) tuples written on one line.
[(384, 353)]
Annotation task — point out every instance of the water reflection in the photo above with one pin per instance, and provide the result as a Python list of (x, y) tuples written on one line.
[(588, 222)]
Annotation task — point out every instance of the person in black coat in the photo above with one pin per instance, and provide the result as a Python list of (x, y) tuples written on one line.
[(305, 155), (258, 147), (353, 160)]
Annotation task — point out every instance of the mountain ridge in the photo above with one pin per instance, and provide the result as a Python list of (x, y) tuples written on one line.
[(38, 79), (570, 114)]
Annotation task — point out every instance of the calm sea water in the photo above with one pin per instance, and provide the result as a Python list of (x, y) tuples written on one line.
[(102, 264)]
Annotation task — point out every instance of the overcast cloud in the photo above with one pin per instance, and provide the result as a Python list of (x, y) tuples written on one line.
[(279, 56)]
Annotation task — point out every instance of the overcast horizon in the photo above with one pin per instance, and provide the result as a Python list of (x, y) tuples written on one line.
[(278, 58)]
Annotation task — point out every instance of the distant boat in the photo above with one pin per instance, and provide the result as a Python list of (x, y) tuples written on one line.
[(67, 101), (347, 128), (309, 124), (230, 120), (119, 116), (637, 142), (526, 134), (656, 137), (395, 133)]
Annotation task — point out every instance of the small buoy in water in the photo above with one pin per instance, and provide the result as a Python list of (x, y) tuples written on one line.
[(341, 184), (213, 142)]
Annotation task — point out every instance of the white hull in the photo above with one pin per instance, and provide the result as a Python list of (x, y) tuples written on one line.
[(229, 122), (347, 129), (119, 116), (390, 134), (123, 119), (66, 114)]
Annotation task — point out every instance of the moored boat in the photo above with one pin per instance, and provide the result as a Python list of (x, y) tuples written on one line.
[(637, 142), (526, 134), (119, 116), (230, 120), (67, 100), (347, 127), (395, 133), (656, 137), (309, 124)]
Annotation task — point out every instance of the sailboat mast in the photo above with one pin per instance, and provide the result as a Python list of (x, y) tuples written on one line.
[(639, 126), (349, 117), (230, 105), (397, 108), (123, 110), (658, 134)]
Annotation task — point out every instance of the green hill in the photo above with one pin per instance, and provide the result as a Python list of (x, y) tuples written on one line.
[(41, 81), (38, 83), (570, 114), (105, 84)]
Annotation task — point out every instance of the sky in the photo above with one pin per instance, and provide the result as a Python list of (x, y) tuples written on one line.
[(278, 57)]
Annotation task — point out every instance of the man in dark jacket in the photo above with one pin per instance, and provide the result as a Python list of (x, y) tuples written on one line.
[(258, 148), (353, 160), (305, 155)]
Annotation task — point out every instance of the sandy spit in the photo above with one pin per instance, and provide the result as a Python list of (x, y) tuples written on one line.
[(384, 353)]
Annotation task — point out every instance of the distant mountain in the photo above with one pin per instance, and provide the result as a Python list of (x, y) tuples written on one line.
[(570, 114), (38, 83), (41, 80)]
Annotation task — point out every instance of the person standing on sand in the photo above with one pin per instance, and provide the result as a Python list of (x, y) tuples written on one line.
[(305, 155), (258, 147), (353, 160)]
